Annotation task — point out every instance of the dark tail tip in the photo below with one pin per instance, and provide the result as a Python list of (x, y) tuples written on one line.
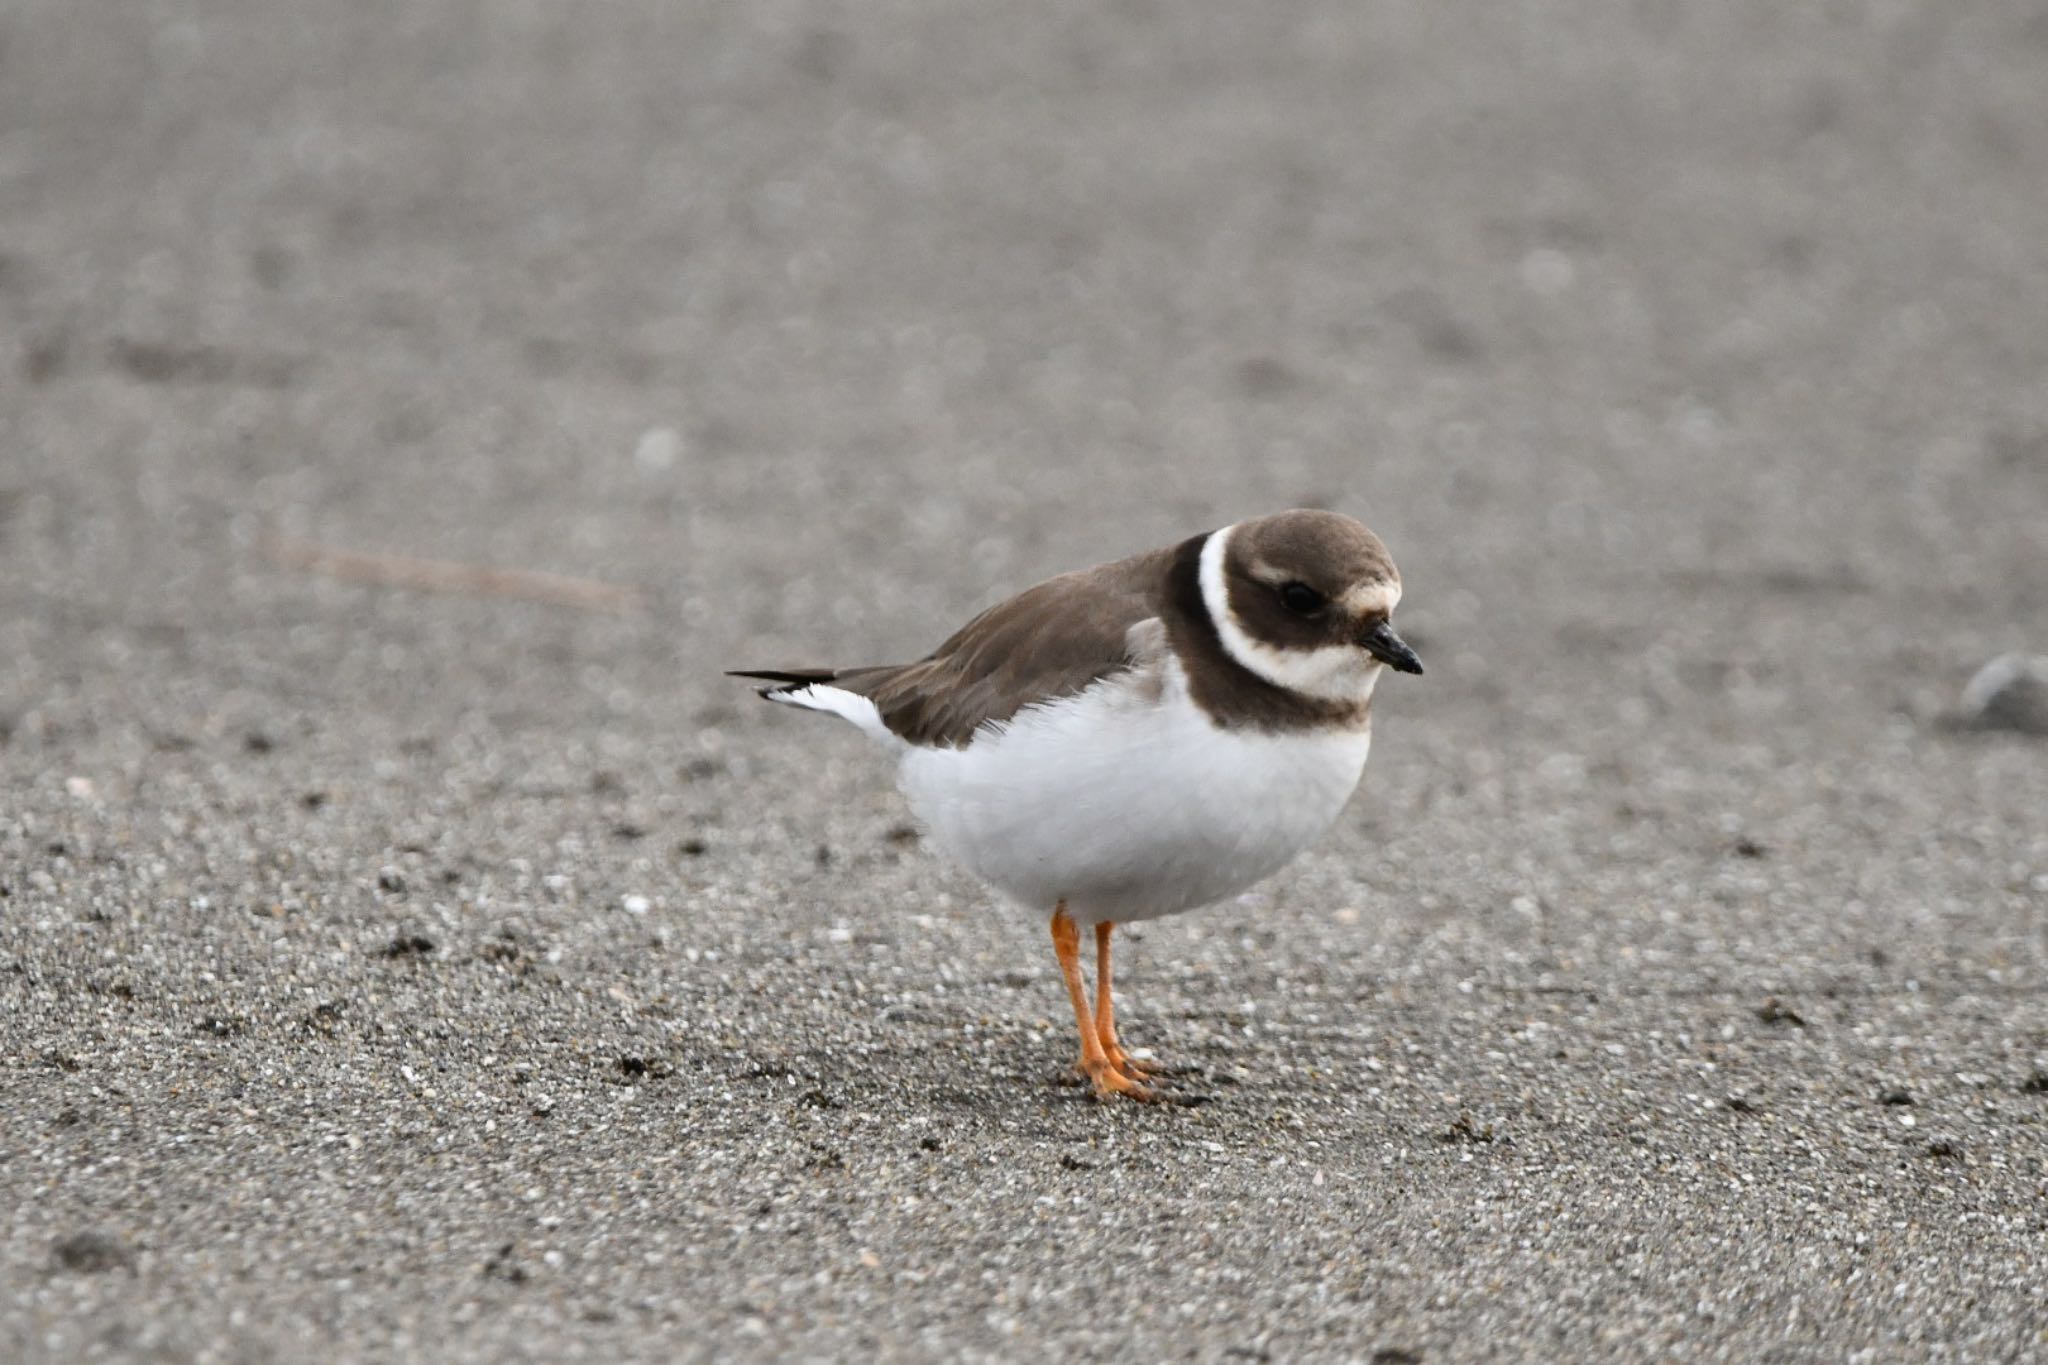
[(784, 681), (795, 677)]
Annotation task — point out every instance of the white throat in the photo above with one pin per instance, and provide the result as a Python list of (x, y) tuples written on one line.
[(1342, 673)]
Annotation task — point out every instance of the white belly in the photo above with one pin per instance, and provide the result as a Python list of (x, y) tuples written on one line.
[(1129, 806)]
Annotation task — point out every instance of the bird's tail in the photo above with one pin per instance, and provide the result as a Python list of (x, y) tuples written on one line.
[(785, 680), (814, 690)]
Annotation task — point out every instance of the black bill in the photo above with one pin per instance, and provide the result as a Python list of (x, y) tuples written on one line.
[(1389, 649)]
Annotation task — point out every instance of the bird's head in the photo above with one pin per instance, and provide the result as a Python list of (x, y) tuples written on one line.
[(1305, 600)]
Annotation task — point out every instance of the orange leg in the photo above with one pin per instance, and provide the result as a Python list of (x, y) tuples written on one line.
[(1095, 1063), (1105, 1011)]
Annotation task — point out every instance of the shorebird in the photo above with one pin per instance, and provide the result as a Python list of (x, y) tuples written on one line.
[(1143, 737)]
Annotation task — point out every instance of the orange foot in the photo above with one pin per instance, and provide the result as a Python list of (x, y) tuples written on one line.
[(1109, 1079), (1137, 1068)]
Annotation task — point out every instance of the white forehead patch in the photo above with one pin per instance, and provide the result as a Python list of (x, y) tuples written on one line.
[(1341, 673), (1368, 599)]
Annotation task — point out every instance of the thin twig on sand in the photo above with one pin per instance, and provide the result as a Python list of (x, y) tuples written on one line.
[(442, 575)]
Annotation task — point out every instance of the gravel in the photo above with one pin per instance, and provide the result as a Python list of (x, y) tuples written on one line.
[(398, 975)]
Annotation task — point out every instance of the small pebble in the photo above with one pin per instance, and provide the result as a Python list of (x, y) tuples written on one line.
[(91, 1252), (2009, 693)]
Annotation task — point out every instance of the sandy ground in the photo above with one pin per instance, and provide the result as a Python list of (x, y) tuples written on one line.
[(396, 975)]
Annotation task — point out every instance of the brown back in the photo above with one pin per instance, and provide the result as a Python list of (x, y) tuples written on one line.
[(1047, 642)]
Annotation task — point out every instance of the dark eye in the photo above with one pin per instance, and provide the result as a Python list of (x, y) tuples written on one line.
[(1300, 599)]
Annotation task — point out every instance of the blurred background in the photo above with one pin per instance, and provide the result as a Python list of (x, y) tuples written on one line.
[(1690, 359)]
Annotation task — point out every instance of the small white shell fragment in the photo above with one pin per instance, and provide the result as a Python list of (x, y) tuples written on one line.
[(2009, 693)]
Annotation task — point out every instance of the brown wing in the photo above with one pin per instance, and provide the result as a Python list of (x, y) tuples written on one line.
[(1049, 641)]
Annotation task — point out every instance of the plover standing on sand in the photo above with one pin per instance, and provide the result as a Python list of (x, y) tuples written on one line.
[(1143, 737)]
